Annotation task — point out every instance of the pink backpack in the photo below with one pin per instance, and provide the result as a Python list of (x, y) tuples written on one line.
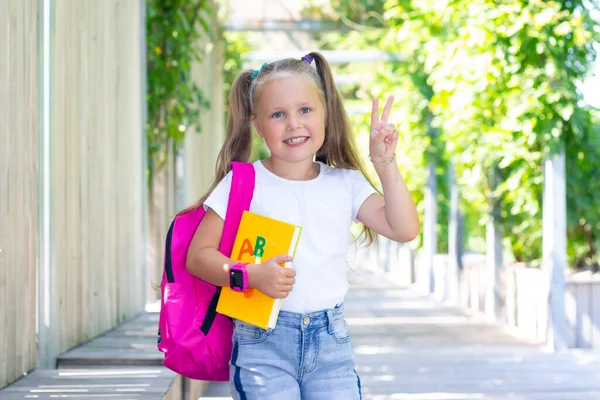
[(197, 341)]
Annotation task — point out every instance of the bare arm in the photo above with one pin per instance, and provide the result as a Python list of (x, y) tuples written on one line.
[(399, 221), (205, 261), (394, 215)]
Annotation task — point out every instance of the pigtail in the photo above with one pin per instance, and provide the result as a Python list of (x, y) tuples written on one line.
[(238, 138), (337, 125), (338, 150)]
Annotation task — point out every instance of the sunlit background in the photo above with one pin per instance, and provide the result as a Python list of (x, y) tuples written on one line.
[(112, 113), (491, 89)]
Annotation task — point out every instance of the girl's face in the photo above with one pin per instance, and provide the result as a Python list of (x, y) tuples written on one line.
[(290, 117)]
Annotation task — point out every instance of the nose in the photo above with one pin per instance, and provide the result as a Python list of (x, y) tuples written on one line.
[(293, 124)]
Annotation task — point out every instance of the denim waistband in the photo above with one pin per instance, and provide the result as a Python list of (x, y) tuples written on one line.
[(311, 320)]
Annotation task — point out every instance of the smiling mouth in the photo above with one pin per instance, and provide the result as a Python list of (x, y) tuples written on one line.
[(296, 140)]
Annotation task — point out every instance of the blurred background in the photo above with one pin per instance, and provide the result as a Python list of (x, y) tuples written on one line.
[(112, 113)]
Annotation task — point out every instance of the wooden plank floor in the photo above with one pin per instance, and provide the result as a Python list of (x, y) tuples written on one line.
[(140, 383), (131, 343), (122, 364), (410, 348)]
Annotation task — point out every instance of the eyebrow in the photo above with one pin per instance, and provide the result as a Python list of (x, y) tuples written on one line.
[(301, 105)]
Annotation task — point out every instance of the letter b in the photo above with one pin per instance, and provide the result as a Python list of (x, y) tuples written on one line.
[(259, 248)]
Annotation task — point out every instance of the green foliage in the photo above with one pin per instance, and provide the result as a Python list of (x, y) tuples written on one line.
[(494, 87), (174, 31), (583, 166), (356, 14), (236, 45)]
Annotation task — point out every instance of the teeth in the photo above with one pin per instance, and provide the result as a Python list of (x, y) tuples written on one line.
[(296, 140)]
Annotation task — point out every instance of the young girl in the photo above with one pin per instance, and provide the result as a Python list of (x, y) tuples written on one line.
[(313, 178)]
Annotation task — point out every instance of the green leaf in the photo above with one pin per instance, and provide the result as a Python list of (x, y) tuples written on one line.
[(497, 81)]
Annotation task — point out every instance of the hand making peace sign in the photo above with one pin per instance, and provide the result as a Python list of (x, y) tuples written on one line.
[(384, 136)]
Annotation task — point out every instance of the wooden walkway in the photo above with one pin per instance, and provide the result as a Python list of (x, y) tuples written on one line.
[(141, 383), (410, 348), (123, 364), (407, 347)]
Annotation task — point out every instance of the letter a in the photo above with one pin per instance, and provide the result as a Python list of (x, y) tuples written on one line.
[(246, 248)]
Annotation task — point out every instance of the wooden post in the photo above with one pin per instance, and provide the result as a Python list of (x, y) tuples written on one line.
[(493, 266), (493, 253), (161, 208), (201, 148), (144, 200), (429, 225), (46, 315), (454, 240), (555, 247)]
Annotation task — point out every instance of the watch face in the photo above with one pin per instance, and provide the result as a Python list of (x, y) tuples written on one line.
[(236, 279)]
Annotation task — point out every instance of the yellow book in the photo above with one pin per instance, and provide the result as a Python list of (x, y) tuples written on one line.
[(258, 239)]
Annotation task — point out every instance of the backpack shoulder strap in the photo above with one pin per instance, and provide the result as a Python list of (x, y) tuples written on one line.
[(240, 197)]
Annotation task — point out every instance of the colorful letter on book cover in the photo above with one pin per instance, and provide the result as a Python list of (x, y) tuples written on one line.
[(258, 239)]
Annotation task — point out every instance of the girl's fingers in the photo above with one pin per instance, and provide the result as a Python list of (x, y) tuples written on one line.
[(387, 109), (381, 131), (391, 138), (386, 130), (381, 134), (375, 113), (389, 128)]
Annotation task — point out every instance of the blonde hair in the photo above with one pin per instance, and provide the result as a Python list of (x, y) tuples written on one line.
[(338, 149)]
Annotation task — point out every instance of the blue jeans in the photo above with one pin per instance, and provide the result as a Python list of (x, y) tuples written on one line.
[(306, 357)]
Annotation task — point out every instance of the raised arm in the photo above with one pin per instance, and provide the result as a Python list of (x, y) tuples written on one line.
[(394, 214)]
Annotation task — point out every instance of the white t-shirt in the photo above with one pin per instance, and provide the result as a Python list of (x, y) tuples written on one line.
[(324, 208)]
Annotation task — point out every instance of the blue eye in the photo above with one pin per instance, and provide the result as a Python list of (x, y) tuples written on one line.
[(278, 114), (305, 110)]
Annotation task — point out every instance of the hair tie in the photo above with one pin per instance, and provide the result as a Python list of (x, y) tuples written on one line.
[(307, 59), (258, 71)]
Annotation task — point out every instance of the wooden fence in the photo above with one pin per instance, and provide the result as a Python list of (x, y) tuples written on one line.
[(18, 187), (97, 167), (522, 294), (582, 307), (96, 206)]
